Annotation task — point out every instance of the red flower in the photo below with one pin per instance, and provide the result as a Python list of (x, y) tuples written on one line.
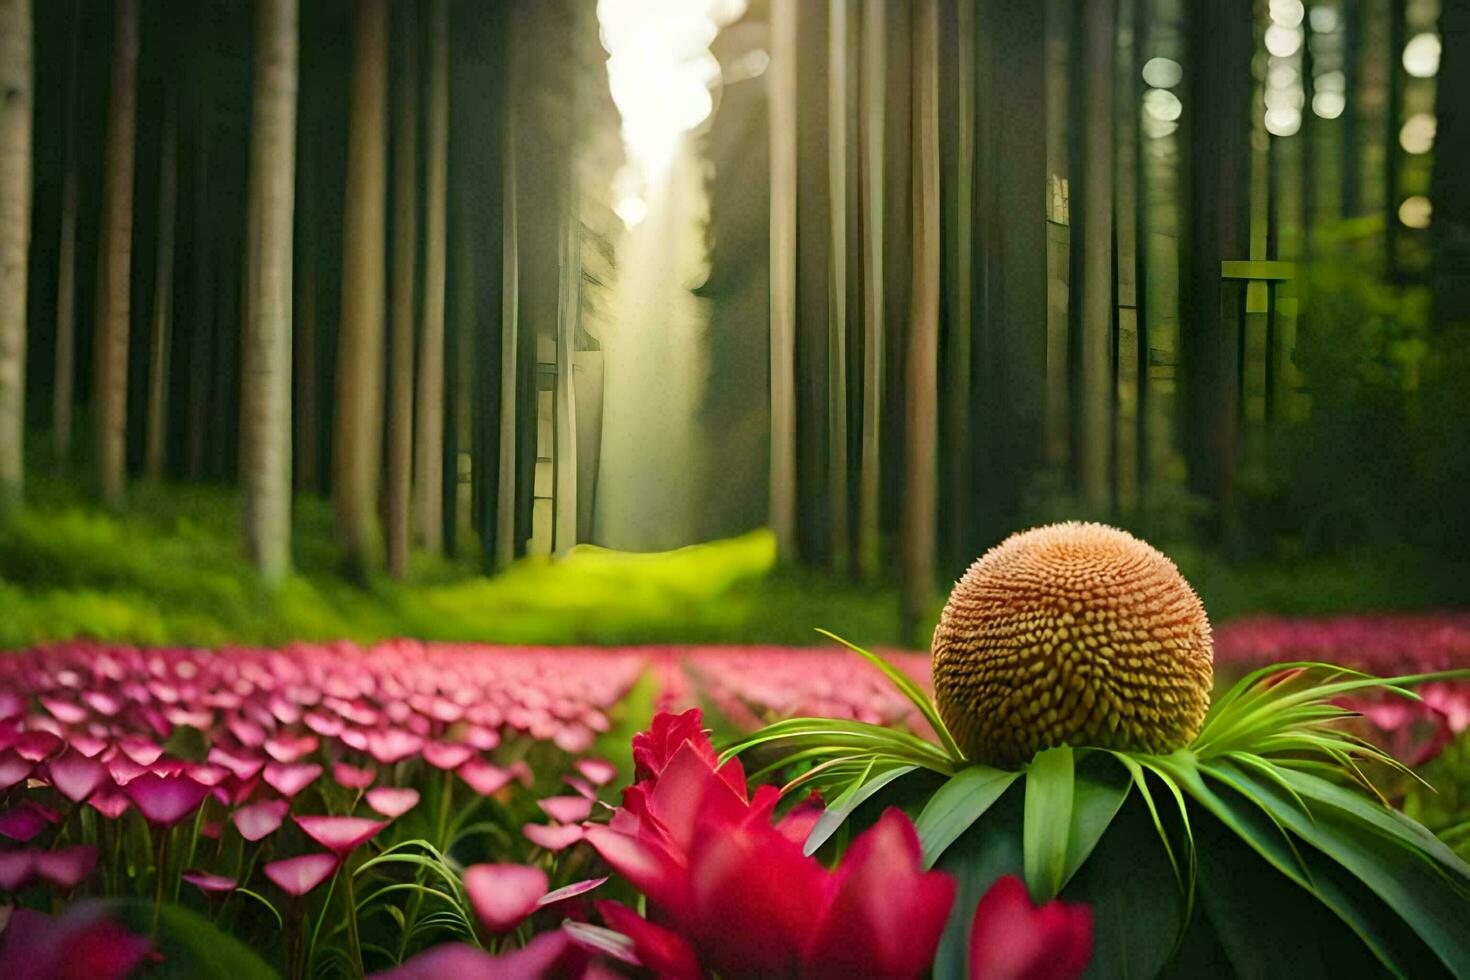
[(737, 890), (1011, 939)]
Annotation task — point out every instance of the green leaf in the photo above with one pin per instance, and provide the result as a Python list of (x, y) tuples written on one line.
[(849, 801), (1050, 782), (1097, 795), (958, 804), (990, 848), (911, 690), (280, 923), (1404, 877)]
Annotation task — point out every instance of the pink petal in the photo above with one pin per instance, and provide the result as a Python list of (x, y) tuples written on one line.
[(75, 776), (35, 746), (340, 834), (110, 802), (17, 868), (483, 777), (244, 767), (260, 819), (140, 750), (352, 777), (13, 768), (570, 891), (392, 745), (208, 882), (446, 755), (553, 837), (504, 894), (290, 779), (599, 772), (67, 867), (1011, 937), (88, 745), (290, 749), (581, 785), (299, 875), (21, 823), (166, 799), (566, 809), (392, 801), (661, 951)]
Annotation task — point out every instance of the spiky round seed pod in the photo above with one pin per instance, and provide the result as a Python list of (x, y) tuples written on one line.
[(1077, 634)]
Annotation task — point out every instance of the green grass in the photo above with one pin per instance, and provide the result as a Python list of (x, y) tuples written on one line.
[(169, 569)]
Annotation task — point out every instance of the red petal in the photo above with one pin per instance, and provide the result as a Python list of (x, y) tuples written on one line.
[(1011, 939), (662, 952)]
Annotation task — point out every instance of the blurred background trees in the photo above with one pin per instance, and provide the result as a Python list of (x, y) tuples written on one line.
[(890, 279)]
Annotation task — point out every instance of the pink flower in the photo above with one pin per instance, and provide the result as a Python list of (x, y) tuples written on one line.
[(291, 778), (483, 777), (553, 837), (81, 943), (392, 745), (573, 890), (208, 882), (340, 834), (68, 867), (166, 800), (446, 755), (35, 746), (351, 777), (663, 952), (566, 809), (551, 954), (17, 868), (598, 772), (21, 823), (504, 894), (110, 802), (75, 776), (13, 768), (298, 875), (1011, 939), (260, 819), (392, 801)]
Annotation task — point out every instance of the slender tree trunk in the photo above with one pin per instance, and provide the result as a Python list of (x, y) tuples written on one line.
[(202, 313), (66, 263), (304, 333), (505, 493), (958, 349), (838, 79), (1450, 181), (110, 393), (921, 447), (1398, 36), (17, 80), (405, 263), (783, 104), (355, 444), (429, 440), (161, 342), (1094, 226), (266, 371), (869, 539)]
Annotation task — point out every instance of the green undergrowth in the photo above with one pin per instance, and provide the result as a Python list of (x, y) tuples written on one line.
[(169, 569)]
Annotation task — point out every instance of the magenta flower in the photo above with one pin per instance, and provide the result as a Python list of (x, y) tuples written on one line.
[(209, 883), (392, 745), (13, 768), (141, 750), (68, 867), (35, 746), (1011, 939), (21, 823), (447, 755), (340, 834), (566, 809), (77, 944), (289, 779), (166, 800), (551, 954), (570, 891), (75, 776), (485, 778), (287, 749), (553, 837), (351, 777), (504, 894), (298, 875), (244, 767), (663, 952), (260, 819), (392, 801), (110, 801), (17, 868)]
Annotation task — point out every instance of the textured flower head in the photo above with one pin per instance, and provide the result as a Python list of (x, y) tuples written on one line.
[(1077, 634)]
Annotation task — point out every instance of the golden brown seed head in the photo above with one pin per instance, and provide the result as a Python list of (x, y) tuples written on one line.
[(1076, 634)]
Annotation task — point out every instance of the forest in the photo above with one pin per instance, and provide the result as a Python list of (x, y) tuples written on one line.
[(426, 418)]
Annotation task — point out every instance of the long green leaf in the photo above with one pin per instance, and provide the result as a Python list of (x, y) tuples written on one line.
[(958, 804), (1097, 796), (843, 806), (910, 690), (1050, 783)]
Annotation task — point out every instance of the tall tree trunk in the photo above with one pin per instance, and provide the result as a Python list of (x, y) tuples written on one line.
[(266, 369), (922, 389), (17, 80), (64, 379), (161, 342), (783, 106), (405, 263), (960, 300), (110, 393), (304, 333), (1216, 227), (838, 98), (869, 540), (1398, 36), (1094, 226), (429, 440), (1450, 182), (510, 345), (358, 428), (203, 302)]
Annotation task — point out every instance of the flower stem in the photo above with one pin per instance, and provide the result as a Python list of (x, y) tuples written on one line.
[(163, 837), (354, 942)]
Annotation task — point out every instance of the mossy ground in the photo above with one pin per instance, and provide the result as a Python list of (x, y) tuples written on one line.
[(169, 569)]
